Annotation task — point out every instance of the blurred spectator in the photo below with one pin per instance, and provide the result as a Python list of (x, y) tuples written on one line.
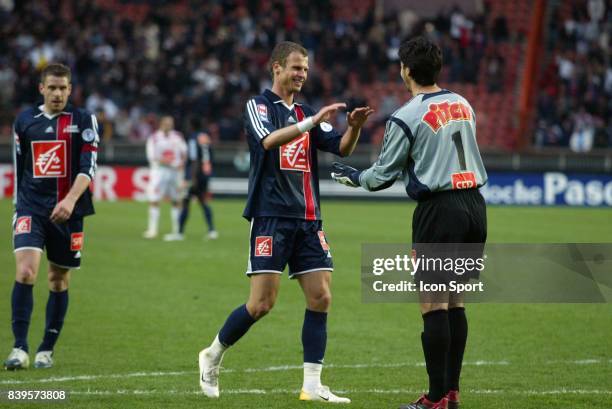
[(134, 60), (580, 86)]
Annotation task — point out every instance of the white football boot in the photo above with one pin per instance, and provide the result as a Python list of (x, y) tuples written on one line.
[(17, 359), (209, 373), (213, 235), (322, 394), (149, 234), (43, 359), (174, 237)]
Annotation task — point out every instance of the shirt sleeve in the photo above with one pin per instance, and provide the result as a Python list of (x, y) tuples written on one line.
[(88, 162), (18, 158), (327, 138), (258, 121), (392, 160)]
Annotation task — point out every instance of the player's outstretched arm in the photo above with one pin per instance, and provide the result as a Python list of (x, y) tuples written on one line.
[(285, 135), (355, 120)]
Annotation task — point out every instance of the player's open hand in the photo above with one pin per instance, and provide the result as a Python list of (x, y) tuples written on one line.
[(345, 174), (62, 211), (326, 112), (357, 117)]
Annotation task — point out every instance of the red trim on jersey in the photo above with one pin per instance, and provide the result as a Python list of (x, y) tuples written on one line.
[(310, 213), (63, 183), (89, 148)]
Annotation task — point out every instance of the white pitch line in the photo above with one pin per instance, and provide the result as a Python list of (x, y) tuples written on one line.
[(562, 391), (247, 370), (273, 369)]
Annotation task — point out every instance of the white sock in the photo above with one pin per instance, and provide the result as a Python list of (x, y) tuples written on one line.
[(312, 376), (217, 349), (153, 218), (175, 213)]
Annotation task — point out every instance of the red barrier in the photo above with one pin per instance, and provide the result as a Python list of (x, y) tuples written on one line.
[(111, 182)]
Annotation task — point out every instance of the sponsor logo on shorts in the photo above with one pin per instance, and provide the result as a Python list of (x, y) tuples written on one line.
[(76, 241), (263, 246), (23, 225), (323, 240), (463, 180), (49, 159)]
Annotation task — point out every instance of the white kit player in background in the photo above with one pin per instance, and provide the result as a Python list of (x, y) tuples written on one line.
[(166, 153)]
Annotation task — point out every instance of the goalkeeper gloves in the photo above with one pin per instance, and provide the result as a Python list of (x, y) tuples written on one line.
[(345, 174)]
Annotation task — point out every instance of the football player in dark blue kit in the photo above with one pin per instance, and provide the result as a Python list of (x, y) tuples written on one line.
[(283, 207), (55, 153), (197, 175)]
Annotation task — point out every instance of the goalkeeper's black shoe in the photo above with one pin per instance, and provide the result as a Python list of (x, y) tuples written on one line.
[(453, 399), (424, 403)]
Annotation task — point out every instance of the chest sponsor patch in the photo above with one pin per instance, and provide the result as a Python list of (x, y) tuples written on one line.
[(295, 155), (463, 180), (76, 241), (263, 246), (23, 225), (49, 159)]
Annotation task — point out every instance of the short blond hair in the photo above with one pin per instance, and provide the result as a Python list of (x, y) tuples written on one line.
[(281, 52)]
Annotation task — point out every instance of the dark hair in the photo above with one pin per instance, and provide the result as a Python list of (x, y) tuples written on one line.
[(424, 59), (282, 50), (57, 70)]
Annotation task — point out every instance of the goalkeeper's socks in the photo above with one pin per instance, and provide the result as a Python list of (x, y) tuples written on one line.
[(57, 306), (22, 303), (314, 336), (458, 336), (436, 340), (153, 218), (236, 325)]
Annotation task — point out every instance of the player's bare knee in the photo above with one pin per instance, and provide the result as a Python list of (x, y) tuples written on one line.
[(320, 301), (260, 309), (26, 274), (58, 278)]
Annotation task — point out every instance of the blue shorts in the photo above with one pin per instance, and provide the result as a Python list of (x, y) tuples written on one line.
[(63, 242), (278, 241)]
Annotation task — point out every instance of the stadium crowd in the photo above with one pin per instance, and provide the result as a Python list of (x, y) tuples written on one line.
[(206, 58), (575, 98)]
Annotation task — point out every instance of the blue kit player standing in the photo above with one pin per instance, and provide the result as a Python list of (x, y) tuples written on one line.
[(283, 207), (55, 152), (197, 175), (430, 143)]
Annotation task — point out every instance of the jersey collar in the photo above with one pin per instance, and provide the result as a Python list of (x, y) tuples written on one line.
[(41, 108), (278, 100)]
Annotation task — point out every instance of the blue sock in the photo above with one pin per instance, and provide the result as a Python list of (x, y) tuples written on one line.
[(183, 216), (314, 336), (57, 305), (236, 325), (209, 216), (22, 304)]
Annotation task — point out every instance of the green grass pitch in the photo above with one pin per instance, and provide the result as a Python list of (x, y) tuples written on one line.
[(141, 310)]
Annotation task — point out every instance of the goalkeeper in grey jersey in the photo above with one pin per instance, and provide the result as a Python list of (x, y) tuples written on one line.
[(430, 142)]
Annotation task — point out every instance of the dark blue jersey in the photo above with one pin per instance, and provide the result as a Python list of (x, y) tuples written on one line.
[(199, 151), (49, 152), (284, 181)]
